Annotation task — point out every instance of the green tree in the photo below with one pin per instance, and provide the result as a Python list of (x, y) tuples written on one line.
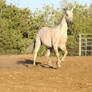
[(18, 27)]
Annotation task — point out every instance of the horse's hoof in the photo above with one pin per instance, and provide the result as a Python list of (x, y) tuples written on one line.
[(58, 65), (34, 64), (62, 59)]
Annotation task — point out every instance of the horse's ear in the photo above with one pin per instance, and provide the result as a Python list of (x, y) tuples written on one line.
[(67, 8), (64, 9)]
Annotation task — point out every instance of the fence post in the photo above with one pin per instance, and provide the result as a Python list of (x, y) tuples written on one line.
[(86, 47), (79, 44)]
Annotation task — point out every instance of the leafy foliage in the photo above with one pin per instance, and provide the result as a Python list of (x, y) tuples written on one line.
[(18, 27)]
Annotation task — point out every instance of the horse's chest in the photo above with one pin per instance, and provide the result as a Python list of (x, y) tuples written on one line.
[(63, 39)]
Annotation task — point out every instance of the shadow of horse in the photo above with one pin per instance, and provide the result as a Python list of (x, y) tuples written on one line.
[(28, 62)]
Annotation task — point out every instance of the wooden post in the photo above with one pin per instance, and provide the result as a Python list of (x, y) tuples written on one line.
[(79, 44)]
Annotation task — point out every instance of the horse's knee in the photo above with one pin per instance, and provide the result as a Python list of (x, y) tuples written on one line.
[(65, 50)]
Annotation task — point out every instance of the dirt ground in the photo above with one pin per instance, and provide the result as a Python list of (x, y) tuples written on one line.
[(17, 74)]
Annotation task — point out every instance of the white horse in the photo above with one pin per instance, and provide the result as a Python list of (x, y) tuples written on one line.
[(55, 38)]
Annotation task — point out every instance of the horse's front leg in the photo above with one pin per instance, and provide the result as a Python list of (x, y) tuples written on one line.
[(57, 55), (65, 52)]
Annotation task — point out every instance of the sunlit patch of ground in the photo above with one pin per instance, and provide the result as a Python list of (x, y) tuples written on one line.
[(17, 74)]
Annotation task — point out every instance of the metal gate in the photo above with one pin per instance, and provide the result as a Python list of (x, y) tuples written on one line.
[(85, 44)]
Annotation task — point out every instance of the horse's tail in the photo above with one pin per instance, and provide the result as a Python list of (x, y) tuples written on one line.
[(30, 48)]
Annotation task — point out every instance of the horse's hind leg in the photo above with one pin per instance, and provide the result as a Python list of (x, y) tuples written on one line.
[(47, 57), (37, 46)]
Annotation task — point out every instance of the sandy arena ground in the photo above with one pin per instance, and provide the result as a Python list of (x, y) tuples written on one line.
[(17, 74)]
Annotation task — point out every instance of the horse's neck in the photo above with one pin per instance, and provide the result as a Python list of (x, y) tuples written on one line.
[(63, 22), (63, 25)]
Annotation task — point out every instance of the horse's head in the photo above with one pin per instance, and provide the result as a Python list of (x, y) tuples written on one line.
[(69, 15)]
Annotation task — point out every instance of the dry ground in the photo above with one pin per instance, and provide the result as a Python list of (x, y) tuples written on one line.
[(17, 74)]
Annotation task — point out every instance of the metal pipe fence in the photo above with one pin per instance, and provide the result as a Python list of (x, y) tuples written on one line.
[(85, 44)]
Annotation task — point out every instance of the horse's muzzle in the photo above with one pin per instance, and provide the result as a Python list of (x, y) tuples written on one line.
[(71, 22)]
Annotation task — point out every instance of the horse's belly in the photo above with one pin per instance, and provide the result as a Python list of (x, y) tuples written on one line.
[(45, 37), (46, 41)]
